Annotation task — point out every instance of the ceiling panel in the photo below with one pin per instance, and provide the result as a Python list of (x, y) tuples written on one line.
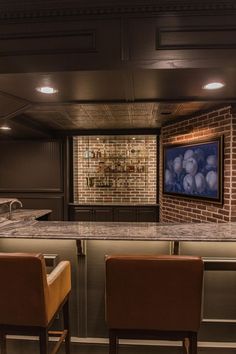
[(109, 86), (90, 100), (71, 86), (113, 116), (183, 84), (10, 105)]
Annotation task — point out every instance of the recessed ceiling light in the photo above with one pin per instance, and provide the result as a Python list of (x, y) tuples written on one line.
[(213, 86), (5, 127), (48, 90)]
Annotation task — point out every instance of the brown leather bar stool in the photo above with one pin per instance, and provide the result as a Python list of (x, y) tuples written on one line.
[(30, 300), (154, 297)]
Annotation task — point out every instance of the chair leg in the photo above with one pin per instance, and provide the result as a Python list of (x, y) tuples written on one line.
[(66, 320), (193, 343), (186, 346), (113, 343), (3, 343), (43, 341)]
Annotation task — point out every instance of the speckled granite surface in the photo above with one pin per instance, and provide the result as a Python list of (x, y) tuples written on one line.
[(26, 214), (4, 204), (118, 231), (6, 200)]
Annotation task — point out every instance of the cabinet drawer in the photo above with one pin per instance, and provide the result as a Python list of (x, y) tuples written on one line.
[(115, 213), (82, 214), (125, 214), (103, 214), (147, 214)]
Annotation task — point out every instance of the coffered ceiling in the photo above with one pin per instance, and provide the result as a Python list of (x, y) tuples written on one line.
[(112, 116), (110, 99), (108, 73)]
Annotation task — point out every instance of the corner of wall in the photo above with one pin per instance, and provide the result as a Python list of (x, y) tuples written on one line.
[(221, 121)]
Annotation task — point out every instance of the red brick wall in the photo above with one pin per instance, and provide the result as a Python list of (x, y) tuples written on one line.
[(121, 169), (215, 123)]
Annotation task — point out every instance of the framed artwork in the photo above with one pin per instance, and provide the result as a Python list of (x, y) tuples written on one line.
[(194, 170)]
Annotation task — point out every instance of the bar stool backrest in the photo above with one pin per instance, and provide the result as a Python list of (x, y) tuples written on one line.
[(161, 293), (23, 295)]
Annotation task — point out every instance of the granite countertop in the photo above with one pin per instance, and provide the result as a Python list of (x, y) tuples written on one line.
[(25, 214), (118, 231), (6, 200)]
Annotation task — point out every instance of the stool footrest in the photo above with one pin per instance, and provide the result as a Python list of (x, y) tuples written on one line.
[(58, 344)]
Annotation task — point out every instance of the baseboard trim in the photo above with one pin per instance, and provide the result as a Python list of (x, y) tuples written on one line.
[(127, 342)]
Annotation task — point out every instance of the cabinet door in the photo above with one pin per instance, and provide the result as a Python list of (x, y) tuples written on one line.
[(125, 214), (103, 214), (83, 214), (147, 214)]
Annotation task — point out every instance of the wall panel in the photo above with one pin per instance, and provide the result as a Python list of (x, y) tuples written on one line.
[(33, 172)]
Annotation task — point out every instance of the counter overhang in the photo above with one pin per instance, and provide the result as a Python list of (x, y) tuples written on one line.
[(140, 231)]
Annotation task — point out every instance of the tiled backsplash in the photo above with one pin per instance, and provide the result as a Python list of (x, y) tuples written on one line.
[(115, 169)]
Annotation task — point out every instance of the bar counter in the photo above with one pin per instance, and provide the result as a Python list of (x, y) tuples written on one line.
[(64, 240), (70, 230)]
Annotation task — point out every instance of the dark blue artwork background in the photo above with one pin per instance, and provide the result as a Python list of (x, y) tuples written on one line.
[(170, 153)]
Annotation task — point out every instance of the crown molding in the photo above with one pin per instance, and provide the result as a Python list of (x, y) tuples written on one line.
[(28, 9)]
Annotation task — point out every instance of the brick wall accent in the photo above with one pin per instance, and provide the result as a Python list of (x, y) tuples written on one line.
[(115, 169), (202, 127)]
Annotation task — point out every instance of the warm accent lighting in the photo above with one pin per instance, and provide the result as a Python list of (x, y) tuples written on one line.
[(213, 86), (48, 90), (5, 127)]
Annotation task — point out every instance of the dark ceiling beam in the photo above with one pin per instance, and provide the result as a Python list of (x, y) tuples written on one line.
[(86, 132), (15, 113), (128, 84), (216, 100), (34, 127)]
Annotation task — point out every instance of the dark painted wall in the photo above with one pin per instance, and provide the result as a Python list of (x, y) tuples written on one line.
[(33, 171)]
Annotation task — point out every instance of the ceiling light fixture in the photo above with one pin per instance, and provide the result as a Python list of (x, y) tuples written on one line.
[(213, 86), (5, 127), (48, 90)]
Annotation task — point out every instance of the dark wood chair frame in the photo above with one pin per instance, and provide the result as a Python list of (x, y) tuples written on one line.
[(42, 332), (188, 338)]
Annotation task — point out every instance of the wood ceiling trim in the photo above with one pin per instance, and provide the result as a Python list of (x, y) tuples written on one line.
[(54, 9), (15, 113), (32, 126), (87, 132)]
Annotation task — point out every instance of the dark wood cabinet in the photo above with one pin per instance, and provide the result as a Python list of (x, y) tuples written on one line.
[(91, 214), (148, 214), (125, 214), (103, 214), (81, 214), (114, 213)]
